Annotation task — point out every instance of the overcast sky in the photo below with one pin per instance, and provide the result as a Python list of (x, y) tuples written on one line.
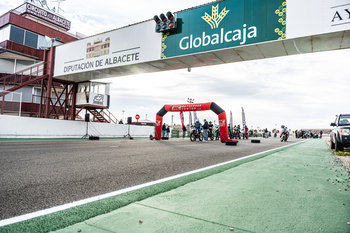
[(300, 91)]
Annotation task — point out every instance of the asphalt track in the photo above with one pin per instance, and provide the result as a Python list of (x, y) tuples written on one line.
[(298, 188), (37, 175)]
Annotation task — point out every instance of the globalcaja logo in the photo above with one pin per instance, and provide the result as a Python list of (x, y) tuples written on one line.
[(214, 19)]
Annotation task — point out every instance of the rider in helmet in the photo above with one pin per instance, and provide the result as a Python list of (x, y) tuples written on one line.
[(198, 125), (211, 127)]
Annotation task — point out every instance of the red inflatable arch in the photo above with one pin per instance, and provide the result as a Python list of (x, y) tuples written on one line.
[(193, 107)]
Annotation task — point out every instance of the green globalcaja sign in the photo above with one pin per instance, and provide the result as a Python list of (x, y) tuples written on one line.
[(226, 24)]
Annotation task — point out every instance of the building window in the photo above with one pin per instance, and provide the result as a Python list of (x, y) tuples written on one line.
[(17, 35), (28, 38), (31, 39)]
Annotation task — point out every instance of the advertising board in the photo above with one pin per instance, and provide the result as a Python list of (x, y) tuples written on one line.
[(29, 8), (125, 46), (221, 25), (226, 24), (314, 17)]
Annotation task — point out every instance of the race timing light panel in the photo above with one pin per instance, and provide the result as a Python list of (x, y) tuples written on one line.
[(165, 23)]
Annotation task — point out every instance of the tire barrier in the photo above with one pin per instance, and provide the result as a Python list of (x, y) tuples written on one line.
[(255, 141)]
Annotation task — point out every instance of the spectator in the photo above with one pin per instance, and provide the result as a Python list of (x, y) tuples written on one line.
[(163, 130), (205, 130), (121, 121), (167, 131)]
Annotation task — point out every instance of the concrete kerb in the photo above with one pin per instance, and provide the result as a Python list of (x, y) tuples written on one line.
[(62, 216)]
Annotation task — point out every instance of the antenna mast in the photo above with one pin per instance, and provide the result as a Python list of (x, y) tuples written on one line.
[(58, 4)]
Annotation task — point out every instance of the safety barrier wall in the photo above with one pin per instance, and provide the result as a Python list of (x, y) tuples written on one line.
[(28, 127)]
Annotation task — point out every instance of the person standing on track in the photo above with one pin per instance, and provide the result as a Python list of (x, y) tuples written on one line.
[(167, 131), (163, 130), (205, 130)]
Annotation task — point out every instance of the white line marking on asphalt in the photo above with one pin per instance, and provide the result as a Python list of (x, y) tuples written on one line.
[(111, 194)]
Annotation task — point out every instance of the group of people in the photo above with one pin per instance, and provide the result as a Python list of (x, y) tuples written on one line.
[(206, 126), (165, 131), (236, 131), (307, 134)]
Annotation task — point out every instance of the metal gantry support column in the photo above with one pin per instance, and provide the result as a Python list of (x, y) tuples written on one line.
[(49, 71), (73, 105)]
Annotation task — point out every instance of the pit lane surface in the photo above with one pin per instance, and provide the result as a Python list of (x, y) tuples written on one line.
[(43, 174)]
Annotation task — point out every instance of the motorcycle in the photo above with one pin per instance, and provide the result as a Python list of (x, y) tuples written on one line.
[(217, 133), (230, 133), (195, 134), (251, 133), (245, 135), (210, 133), (284, 134), (237, 133)]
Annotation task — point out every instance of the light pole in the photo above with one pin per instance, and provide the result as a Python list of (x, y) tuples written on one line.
[(190, 100), (123, 114), (172, 120)]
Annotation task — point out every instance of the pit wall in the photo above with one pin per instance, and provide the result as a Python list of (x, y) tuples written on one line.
[(27, 127)]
